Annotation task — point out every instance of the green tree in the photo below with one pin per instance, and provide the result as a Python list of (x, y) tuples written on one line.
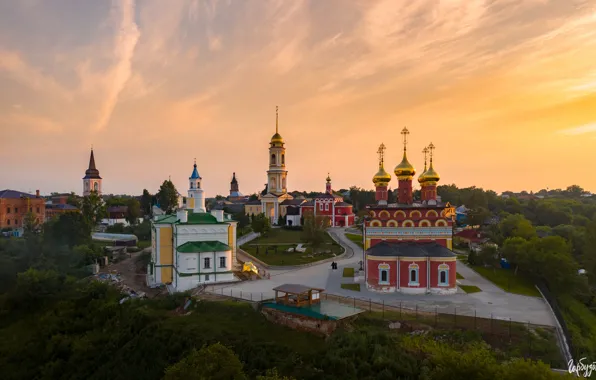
[(489, 255), (477, 216), (30, 224), (517, 225), (313, 230), (272, 374), (515, 250), (146, 202), (261, 224), (133, 211), (209, 363), (74, 200), (70, 228), (167, 196), (94, 209)]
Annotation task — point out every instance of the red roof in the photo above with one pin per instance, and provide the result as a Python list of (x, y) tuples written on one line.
[(473, 235)]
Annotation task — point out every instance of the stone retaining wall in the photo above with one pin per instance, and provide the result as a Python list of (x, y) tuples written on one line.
[(300, 322)]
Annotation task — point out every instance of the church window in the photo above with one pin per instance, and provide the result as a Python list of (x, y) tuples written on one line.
[(38, 210), (384, 274), (443, 275), (283, 159), (207, 262), (414, 279), (96, 186), (16, 210), (222, 262), (8, 210), (326, 206), (273, 159), (192, 185), (206, 277), (8, 222), (320, 206)]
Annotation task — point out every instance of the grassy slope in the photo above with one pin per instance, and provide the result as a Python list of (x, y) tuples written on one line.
[(508, 281)]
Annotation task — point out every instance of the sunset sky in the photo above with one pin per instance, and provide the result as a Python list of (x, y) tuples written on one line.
[(506, 91)]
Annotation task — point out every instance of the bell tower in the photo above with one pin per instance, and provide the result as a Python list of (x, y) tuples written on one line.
[(196, 197), (277, 173), (91, 180)]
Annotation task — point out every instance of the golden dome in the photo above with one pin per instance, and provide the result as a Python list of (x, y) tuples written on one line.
[(404, 169), (328, 179), (382, 178), (277, 139), (430, 175)]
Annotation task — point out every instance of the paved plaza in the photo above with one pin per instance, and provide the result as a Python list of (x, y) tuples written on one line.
[(492, 301)]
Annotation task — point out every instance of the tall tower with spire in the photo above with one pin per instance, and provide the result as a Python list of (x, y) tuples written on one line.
[(277, 173), (328, 189), (91, 180), (196, 197), (429, 179), (381, 179), (405, 173)]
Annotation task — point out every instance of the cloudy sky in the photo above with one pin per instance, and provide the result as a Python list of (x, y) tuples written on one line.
[(506, 91)]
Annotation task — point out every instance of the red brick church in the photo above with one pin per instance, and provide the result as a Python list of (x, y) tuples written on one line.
[(408, 244), (330, 205)]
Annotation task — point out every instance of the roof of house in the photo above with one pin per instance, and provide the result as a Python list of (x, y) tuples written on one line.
[(117, 209), (343, 204), (409, 249), (61, 206), (236, 194), (203, 246), (255, 202), (13, 194), (295, 288), (469, 234), (308, 204), (293, 202), (193, 218)]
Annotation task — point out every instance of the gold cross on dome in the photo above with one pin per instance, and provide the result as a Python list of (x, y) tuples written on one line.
[(405, 133), (381, 153)]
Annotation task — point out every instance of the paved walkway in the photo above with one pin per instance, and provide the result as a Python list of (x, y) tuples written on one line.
[(491, 302)]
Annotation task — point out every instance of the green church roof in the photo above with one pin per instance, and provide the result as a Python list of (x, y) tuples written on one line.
[(193, 218), (203, 246)]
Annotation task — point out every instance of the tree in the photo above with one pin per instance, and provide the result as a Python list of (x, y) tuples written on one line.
[(261, 224), (133, 211), (517, 225), (272, 374), (489, 255), (477, 216), (146, 202), (70, 228), (515, 250), (74, 200), (30, 224), (167, 196), (313, 230), (209, 363), (94, 209)]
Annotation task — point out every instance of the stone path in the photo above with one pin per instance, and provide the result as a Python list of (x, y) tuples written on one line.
[(491, 302)]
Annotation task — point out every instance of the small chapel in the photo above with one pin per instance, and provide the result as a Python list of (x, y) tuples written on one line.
[(407, 244), (193, 246)]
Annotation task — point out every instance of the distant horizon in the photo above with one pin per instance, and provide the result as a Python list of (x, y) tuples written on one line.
[(505, 91)]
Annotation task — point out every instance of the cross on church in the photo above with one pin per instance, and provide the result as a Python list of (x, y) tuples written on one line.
[(431, 147), (405, 133), (425, 152), (381, 153)]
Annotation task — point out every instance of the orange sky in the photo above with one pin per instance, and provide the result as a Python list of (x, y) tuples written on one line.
[(506, 92)]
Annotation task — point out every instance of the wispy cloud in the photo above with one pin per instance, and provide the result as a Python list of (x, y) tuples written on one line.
[(581, 130), (124, 46)]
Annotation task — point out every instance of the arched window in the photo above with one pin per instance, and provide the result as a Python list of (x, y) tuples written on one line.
[(414, 279), (96, 186), (443, 275), (384, 274), (273, 159), (192, 185), (283, 159)]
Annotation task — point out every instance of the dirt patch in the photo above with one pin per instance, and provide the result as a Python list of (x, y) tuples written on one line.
[(132, 274)]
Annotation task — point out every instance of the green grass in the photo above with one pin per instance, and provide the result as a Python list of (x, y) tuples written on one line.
[(463, 258), (283, 236), (470, 288), (459, 276), (282, 257), (356, 239), (354, 287), (144, 244), (508, 281), (284, 239), (348, 272)]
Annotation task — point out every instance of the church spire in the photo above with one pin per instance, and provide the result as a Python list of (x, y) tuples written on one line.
[(276, 119)]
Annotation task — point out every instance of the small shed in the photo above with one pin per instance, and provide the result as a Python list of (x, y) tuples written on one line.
[(297, 295)]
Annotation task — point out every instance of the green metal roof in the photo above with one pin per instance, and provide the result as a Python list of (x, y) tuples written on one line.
[(203, 246), (193, 218)]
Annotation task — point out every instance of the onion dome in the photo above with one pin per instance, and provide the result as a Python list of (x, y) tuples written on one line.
[(431, 175), (404, 169), (382, 178), (277, 139), (328, 179)]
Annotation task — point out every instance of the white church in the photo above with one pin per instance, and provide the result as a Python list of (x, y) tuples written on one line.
[(192, 247)]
